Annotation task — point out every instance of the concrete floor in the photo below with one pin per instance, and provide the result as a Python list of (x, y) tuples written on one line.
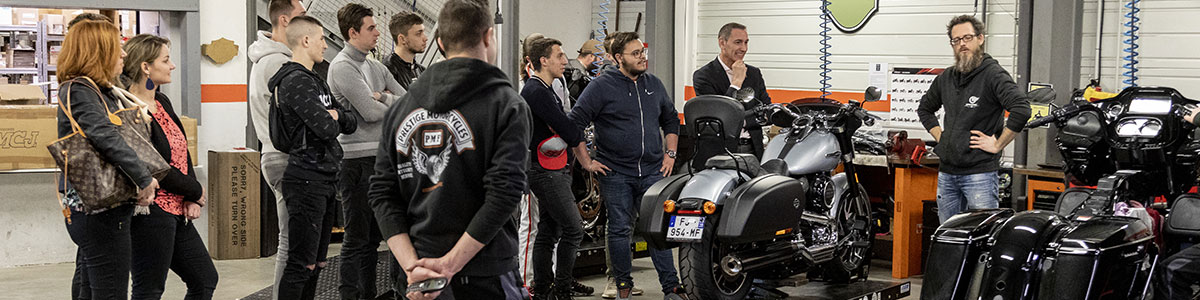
[(240, 278)]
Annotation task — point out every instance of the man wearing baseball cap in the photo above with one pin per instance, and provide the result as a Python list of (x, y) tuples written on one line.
[(559, 223), (580, 70)]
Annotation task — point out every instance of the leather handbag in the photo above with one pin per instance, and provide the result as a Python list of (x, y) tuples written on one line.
[(99, 184)]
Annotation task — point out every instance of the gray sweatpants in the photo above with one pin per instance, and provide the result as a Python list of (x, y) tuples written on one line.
[(273, 164)]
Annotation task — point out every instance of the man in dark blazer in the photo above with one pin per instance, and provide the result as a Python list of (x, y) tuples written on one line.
[(729, 73)]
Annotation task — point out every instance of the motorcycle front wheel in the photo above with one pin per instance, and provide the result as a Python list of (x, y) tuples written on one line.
[(854, 257), (701, 272)]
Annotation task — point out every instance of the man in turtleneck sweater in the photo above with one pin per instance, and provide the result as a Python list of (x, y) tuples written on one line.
[(366, 87)]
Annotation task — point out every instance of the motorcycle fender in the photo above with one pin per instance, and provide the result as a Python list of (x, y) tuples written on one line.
[(761, 208), (958, 244), (1017, 247), (651, 222)]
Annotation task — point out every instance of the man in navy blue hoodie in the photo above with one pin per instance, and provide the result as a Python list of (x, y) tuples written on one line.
[(313, 121), (629, 107)]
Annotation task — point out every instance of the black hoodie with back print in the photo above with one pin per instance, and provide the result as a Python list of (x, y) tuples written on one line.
[(976, 100), (453, 160), (304, 100)]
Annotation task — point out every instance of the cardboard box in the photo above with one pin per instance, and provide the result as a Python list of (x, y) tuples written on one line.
[(189, 130), (233, 204), (25, 16), (25, 131), (55, 24), (16, 94)]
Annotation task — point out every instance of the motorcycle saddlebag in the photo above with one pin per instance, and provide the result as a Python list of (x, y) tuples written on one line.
[(1104, 257), (651, 224), (1016, 246), (958, 244), (760, 208), (1183, 221)]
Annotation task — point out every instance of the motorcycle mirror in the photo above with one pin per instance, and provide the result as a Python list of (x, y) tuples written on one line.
[(745, 94), (1042, 95), (872, 94)]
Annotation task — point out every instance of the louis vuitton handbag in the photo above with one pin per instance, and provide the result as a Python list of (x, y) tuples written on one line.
[(100, 184)]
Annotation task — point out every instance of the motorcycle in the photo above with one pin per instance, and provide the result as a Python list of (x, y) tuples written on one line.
[(1134, 147), (739, 223)]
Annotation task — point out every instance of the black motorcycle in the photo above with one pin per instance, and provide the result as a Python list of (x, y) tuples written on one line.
[(1134, 147), (738, 221)]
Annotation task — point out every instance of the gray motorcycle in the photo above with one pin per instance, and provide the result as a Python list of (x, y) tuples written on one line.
[(741, 223)]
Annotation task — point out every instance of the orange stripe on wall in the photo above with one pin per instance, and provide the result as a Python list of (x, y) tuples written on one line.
[(222, 93), (787, 96)]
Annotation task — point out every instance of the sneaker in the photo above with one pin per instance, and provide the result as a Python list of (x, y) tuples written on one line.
[(610, 290), (580, 290), (542, 292), (678, 293), (563, 293)]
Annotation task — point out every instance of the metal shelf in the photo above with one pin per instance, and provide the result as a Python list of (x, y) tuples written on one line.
[(28, 28), (10, 71), (55, 38)]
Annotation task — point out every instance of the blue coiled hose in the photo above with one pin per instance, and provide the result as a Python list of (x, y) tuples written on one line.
[(825, 50), (1131, 42), (601, 34)]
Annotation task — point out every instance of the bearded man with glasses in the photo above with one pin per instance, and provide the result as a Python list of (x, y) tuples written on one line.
[(974, 92)]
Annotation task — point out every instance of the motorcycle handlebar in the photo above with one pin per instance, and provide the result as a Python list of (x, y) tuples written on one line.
[(1058, 115)]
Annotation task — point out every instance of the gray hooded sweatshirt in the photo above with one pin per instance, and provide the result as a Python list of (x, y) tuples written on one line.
[(267, 55), (353, 78)]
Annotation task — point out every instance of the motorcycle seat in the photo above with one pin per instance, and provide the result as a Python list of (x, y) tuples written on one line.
[(743, 162)]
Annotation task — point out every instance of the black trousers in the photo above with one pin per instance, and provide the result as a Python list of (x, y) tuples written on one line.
[(559, 224), (102, 263), (310, 220), (1178, 273), (362, 235), (164, 241), (506, 286)]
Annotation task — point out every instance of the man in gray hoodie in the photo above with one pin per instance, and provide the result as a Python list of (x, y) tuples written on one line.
[(366, 87), (267, 55)]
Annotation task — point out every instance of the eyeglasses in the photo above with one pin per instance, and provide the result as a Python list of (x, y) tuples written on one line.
[(637, 53), (965, 38)]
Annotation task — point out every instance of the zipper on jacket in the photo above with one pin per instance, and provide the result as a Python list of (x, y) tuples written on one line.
[(642, 123)]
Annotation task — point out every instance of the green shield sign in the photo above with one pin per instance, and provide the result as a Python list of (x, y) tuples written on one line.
[(851, 15)]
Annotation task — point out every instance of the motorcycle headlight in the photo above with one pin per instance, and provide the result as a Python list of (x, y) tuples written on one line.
[(1139, 128)]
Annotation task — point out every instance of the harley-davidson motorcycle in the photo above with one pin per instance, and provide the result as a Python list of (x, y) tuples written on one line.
[(739, 222), (1134, 147)]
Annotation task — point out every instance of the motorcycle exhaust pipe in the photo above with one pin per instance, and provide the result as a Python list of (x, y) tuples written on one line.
[(738, 263), (815, 218)]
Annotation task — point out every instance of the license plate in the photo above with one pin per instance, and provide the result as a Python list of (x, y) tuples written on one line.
[(685, 229)]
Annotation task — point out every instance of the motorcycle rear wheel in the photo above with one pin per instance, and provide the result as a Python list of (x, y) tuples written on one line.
[(701, 273)]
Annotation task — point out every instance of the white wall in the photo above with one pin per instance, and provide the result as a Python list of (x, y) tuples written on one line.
[(566, 21), (784, 38), (622, 15), (1169, 44)]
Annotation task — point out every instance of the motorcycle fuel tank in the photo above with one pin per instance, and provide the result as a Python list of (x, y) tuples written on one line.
[(817, 152)]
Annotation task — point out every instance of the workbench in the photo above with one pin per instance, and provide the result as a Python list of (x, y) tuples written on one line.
[(911, 184), (1043, 186)]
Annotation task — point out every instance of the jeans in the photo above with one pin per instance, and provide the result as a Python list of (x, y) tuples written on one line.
[(165, 241), (362, 235), (958, 193), (310, 222), (622, 198), (558, 224), (504, 287), (104, 242), (273, 164), (1177, 274)]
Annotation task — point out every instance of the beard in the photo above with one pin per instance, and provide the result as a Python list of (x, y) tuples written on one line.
[(967, 62)]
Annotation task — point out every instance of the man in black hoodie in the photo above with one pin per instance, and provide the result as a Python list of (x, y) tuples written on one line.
[(313, 121), (451, 166), (975, 92)]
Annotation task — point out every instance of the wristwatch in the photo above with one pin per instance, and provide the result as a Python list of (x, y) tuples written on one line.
[(671, 153)]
